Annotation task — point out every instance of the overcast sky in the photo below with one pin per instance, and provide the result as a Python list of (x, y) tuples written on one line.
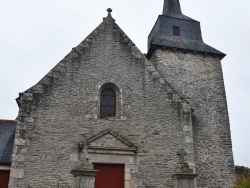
[(36, 34)]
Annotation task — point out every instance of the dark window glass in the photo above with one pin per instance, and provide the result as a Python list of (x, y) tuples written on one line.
[(108, 103), (176, 31)]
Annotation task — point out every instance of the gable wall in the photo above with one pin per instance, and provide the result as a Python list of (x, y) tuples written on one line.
[(52, 122)]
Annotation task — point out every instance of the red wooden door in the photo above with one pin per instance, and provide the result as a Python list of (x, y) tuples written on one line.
[(4, 178), (109, 176)]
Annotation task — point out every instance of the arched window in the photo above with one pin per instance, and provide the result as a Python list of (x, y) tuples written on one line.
[(108, 103)]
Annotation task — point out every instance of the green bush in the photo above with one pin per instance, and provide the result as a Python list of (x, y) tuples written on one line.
[(242, 176), (242, 171)]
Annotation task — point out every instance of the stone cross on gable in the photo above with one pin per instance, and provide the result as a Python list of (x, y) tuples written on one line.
[(181, 153)]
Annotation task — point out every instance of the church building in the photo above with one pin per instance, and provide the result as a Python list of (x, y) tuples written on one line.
[(109, 116)]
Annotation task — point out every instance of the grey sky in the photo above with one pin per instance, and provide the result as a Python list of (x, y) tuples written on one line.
[(36, 34)]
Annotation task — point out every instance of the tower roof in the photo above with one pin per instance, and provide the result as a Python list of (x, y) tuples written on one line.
[(175, 30), (172, 7)]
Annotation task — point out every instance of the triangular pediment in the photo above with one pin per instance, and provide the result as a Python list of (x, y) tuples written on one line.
[(110, 142)]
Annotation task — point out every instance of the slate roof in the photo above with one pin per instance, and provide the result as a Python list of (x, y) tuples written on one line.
[(172, 8), (7, 136), (190, 38)]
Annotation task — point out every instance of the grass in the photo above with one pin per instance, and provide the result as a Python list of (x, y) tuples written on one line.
[(243, 183)]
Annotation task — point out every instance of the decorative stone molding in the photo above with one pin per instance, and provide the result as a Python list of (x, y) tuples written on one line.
[(84, 172), (185, 176), (108, 142)]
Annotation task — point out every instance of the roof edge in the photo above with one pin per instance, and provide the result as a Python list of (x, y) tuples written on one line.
[(7, 120), (155, 47)]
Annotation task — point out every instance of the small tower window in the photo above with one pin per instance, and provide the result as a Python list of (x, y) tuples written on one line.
[(108, 103), (176, 31)]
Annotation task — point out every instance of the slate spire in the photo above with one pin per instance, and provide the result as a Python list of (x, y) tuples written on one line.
[(172, 7), (174, 30)]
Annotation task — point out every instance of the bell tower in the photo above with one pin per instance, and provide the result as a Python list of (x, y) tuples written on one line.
[(193, 68)]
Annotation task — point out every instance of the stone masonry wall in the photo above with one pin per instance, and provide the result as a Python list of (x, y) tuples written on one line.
[(64, 104), (199, 78)]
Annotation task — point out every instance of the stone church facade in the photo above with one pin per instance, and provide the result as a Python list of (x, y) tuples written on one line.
[(109, 116)]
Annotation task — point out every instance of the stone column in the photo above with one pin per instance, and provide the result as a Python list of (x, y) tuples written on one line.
[(84, 178), (83, 172), (184, 175), (185, 180)]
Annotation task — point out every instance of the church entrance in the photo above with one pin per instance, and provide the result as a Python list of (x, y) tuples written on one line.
[(109, 176), (4, 178)]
